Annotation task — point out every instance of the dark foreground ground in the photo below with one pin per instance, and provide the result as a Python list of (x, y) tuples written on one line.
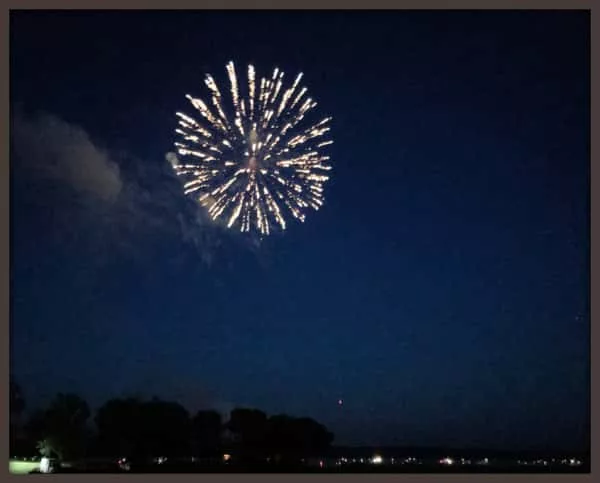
[(365, 468), (338, 471)]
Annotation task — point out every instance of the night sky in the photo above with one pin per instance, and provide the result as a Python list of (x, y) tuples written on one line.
[(442, 291)]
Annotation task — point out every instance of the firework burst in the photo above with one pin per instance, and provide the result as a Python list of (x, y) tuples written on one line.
[(249, 161)]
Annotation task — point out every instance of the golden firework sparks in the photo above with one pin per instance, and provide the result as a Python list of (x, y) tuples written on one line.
[(251, 169)]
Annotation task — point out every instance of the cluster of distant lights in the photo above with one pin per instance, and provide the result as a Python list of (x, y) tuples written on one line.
[(553, 461), (463, 461), (379, 460), (250, 163), (374, 460), (449, 461)]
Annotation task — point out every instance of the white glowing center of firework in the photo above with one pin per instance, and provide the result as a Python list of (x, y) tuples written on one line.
[(253, 140), (253, 137), (247, 160), (252, 163)]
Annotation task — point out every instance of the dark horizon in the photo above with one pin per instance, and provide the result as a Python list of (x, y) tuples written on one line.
[(341, 449), (441, 292), (361, 449)]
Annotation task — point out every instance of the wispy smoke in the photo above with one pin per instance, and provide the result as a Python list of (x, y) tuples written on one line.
[(58, 151), (116, 208)]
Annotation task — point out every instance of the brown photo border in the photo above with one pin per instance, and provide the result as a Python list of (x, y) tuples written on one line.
[(260, 4)]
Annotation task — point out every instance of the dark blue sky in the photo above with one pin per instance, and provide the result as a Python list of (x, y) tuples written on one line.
[(442, 292)]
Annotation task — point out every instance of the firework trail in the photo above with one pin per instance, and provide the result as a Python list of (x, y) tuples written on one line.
[(248, 161)]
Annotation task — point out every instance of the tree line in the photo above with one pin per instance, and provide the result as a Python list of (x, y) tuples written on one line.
[(136, 428)]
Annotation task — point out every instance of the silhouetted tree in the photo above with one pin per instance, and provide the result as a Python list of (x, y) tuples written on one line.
[(166, 428), (135, 428), (61, 428), (250, 427), (314, 436), (118, 423), (130, 427), (293, 438), (206, 431)]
